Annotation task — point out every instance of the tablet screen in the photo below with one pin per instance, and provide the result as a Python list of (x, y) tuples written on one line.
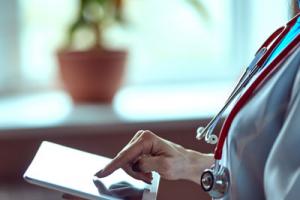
[(72, 171)]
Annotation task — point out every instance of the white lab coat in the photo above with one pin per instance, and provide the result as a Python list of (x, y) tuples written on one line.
[(262, 151)]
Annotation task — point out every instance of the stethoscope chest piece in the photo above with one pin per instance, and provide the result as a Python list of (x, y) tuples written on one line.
[(215, 181)]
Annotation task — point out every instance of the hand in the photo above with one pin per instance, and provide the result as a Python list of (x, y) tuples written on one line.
[(147, 152)]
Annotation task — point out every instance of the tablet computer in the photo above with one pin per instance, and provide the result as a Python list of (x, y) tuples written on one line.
[(72, 171)]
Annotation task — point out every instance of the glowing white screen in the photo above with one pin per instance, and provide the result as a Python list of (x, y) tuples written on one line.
[(72, 171)]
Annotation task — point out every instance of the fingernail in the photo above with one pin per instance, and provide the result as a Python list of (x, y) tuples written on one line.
[(100, 173)]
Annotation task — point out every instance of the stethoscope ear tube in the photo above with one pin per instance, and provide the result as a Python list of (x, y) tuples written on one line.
[(207, 132), (265, 72)]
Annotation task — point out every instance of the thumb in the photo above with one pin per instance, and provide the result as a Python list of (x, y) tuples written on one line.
[(148, 164)]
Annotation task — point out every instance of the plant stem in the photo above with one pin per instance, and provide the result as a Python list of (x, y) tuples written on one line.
[(98, 35)]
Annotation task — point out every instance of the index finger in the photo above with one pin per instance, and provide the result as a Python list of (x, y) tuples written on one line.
[(127, 155)]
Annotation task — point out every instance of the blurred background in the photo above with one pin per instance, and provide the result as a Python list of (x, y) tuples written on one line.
[(89, 74), (169, 41)]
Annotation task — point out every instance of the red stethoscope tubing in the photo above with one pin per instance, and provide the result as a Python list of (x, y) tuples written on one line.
[(273, 40)]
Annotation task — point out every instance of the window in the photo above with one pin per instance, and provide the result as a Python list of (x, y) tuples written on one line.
[(9, 40), (168, 40), (42, 32)]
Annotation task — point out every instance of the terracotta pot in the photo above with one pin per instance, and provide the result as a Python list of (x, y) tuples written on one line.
[(92, 76)]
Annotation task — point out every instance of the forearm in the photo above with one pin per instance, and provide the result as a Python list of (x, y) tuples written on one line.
[(197, 163)]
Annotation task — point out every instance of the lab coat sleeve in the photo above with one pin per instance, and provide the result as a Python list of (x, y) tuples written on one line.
[(282, 170)]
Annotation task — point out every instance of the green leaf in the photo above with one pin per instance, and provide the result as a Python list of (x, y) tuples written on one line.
[(200, 8)]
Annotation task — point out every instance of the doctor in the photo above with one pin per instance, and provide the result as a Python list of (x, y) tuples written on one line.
[(261, 151)]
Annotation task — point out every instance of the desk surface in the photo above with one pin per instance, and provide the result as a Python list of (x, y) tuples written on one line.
[(15, 191)]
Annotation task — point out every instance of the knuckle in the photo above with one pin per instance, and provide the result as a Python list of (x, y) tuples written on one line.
[(121, 154), (179, 146), (147, 135), (138, 133), (148, 131)]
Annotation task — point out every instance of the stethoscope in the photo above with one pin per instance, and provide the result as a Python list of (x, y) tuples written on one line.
[(216, 180)]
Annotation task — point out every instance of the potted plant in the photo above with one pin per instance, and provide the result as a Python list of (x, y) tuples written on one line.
[(93, 73)]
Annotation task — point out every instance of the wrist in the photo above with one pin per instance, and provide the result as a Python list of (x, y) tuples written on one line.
[(198, 162)]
